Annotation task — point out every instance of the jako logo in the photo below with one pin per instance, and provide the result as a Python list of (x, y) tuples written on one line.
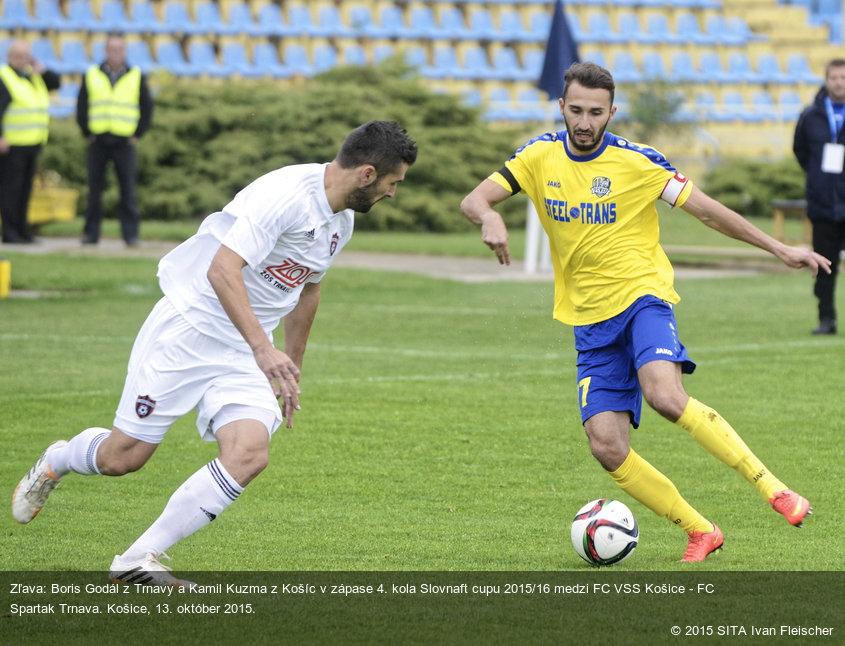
[(553, 183), (663, 351)]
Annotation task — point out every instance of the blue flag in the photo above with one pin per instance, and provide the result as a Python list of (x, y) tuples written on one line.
[(561, 52)]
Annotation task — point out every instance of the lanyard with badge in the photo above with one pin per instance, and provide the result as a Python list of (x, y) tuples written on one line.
[(833, 154)]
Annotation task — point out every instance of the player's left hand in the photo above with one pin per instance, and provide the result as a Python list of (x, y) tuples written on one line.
[(283, 375), (798, 257)]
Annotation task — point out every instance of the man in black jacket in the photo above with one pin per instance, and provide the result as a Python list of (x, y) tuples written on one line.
[(819, 146), (113, 110)]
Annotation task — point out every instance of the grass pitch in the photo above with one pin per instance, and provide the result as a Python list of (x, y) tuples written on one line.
[(439, 428)]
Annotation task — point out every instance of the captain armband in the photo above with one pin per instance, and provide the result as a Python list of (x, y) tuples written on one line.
[(673, 189)]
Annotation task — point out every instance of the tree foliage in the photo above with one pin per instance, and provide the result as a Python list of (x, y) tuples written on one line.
[(209, 140)]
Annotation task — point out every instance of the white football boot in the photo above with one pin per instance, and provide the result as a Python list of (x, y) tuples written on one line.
[(148, 570), (32, 491)]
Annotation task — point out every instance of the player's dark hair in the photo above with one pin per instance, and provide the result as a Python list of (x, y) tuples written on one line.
[(589, 75), (836, 62), (384, 144)]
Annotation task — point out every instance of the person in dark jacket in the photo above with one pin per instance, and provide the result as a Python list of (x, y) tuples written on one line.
[(24, 122), (113, 111), (819, 146)]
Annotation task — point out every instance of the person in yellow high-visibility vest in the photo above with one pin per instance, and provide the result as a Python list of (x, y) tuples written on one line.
[(24, 120), (113, 110)]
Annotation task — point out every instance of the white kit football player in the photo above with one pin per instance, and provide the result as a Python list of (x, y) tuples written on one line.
[(208, 343)]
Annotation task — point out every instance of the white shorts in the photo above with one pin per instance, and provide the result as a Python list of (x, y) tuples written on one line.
[(174, 368)]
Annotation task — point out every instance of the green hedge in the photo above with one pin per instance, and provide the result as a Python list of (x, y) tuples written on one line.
[(209, 140), (748, 187)]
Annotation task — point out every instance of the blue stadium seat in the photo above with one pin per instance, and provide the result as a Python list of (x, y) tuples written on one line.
[(798, 67), (331, 25), (169, 56), (711, 67), (444, 63), (475, 65), (415, 56), (145, 19), (301, 23), (653, 67), (625, 68), (689, 30), (74, 58), (739, 66), (718, 29), (540, 24), (391, 23), (740, 28), (210, 22), (763, 106), (769, 69), (233, 57), (266, 61), (202, 57), (511, 26), (532, 63), (42, 50), (482, 26), (506, 65), (241, 20), (382, 52), (97, 48), (295, 58), (735, 108), (49, 14), (658, 27), (600, 30), (452, 25), (705, 106), (81, 17), (684, 69), (63, 103), (16, 15), (532, 105), (499, 105), (361, 20), (790, 104), (471, 97), (271, 22), (579, 33), (353, 54), (325, 58), (177, 19), (422, 23), (113, 17), (138, 53), (629, 25)]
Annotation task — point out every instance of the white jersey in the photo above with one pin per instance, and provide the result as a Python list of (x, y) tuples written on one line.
[(283, 227)]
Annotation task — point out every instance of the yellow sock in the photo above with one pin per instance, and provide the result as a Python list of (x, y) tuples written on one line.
[(709, 429), (646, 484)]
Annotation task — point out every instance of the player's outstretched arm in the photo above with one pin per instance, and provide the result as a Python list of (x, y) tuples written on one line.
[(478, 208), (226, 278), (719, 217)]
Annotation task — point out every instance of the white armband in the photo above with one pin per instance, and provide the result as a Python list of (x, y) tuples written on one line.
[(673, 189)]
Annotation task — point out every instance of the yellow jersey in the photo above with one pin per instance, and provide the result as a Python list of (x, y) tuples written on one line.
[(600, 216)]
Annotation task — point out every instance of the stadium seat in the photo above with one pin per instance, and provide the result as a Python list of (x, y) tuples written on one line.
[(138, 53), (600, 29), (790, 104), (444, 63), (471, 97), (16, 15), (49, 14), (422, 24), (391, 23), (74, 58), (739, 66), (43, 50), (145, 19), (266, 61), (382, 52), (711, 67), (718, 29), (177, 19), (658, 27), (270, 21), (113, 17), (506, 65), (415, 56), (499, 105), (531, 105), (234, 58), (705, 106), (735, 108), (331, 25), (202, 57), (475, 65), (580, 34), (482, 26), (690, 32), (798, 68), (684, 69), (769, 69), (653, 67), (738, 27), (300, 21), (763, 106), (532, 63), (63, 103), (625, 69), (210, 22), (452, 25), (325, 58), (511, 27), (81, 17), (629, 25), (97, 47), (242, 22), (595, 56), (295, 58), (361, 21), (169, 56)]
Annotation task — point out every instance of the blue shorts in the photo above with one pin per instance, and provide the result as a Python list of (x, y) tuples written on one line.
[(610, 353)]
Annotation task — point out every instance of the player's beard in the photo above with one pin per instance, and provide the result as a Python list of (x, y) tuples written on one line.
[(594, 142), (361, 199)]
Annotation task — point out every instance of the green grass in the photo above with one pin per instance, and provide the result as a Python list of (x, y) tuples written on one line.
[(439, 428)]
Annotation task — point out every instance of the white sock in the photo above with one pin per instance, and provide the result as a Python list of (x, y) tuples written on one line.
[(192, 506), (80, 454)]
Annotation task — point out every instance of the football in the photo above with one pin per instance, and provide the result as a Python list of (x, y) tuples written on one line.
[(604, 532)]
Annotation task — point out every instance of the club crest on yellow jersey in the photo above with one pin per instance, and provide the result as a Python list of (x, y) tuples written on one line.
[(601, 186)]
